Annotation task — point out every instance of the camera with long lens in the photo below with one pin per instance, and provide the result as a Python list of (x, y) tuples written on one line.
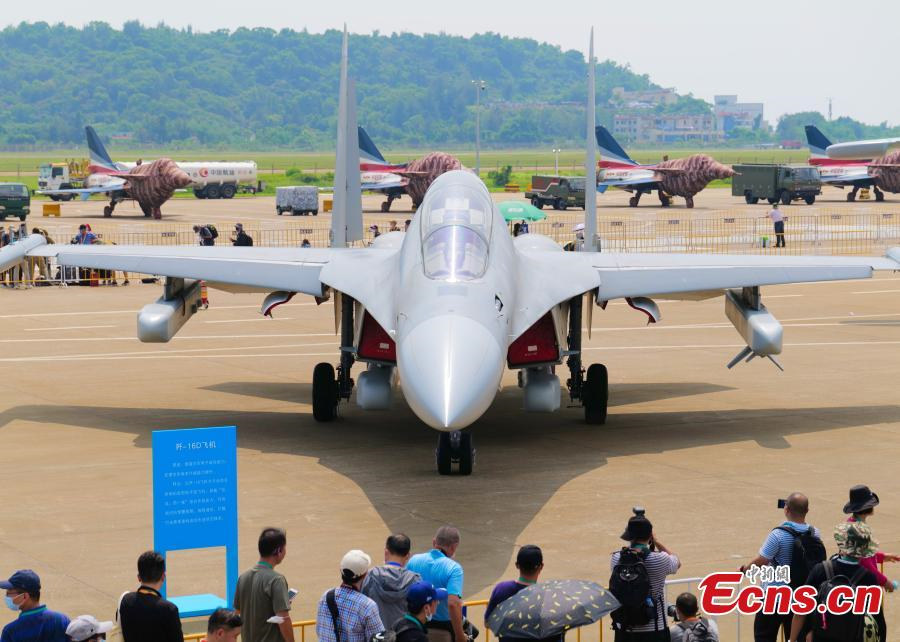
[(671, 612)]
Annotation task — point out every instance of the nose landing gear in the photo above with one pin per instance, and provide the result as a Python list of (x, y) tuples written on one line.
[(455, 448)]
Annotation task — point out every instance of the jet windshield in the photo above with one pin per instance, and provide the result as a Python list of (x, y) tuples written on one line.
[(456, 232)]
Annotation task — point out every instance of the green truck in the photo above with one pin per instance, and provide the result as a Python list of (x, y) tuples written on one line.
[(560, 192), (15, 201), (773, 183)]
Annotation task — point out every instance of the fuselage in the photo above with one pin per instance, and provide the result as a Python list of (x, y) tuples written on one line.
[(454, 303)]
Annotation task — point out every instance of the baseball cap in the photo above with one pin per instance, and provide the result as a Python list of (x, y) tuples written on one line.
[(24, 580), (579, 227), (84, 627), (422, 593), (639, 527), (356, 562)]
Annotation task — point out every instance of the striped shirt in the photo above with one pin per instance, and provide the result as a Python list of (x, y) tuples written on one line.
[(358, 614), (659, 565), (779, 546)]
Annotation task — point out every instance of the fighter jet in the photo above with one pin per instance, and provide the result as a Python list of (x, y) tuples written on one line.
[(448, 306), (413, 178), (150, 184), (840, 168), (679, 177)]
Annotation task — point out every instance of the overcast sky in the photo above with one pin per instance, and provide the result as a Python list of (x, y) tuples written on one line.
[(791, 55)]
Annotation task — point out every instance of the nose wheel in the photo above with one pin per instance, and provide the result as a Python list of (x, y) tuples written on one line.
[(595, 394), (455, 448), (324, 392)]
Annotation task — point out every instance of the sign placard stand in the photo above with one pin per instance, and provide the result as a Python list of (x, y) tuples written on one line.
[(195, 503)]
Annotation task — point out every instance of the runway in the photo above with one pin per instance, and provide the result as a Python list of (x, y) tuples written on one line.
[(707, 451)]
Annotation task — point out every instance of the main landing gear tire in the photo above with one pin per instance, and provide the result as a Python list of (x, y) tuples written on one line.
[(324, 392), (107, 211), (455, 448), (595, 394), (633, 201), (879, 196), (851, 196)]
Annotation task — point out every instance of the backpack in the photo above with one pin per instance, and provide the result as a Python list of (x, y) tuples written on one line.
[(808, 550), (213, 231), (390, 635), (699, 632), (630, 584), (831, 626)]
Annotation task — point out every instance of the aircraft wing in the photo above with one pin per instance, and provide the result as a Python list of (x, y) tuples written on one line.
[(847, 179), (287, 269), (377, 186), (97, 189), (641, 180)]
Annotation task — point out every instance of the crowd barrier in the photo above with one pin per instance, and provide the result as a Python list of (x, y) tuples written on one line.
[(594, 633)]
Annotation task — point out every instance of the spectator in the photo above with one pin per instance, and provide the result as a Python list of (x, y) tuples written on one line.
[(394, 227), (85, 236), (387, 585), (241, 238), (306, 243), (374, 230), (854, 541), (530, 562), (145, 616), (578, 244), (204, 235), (262, 598), (406, 225), (36, 623), (645, 549), (517, 229), (440, 569), (687, 614), (345, 614), (421, 603), (777, 550), (778, 222), (86, 628), (224, 625)]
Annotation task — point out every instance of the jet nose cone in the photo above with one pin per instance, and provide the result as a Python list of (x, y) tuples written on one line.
[(450, 369)]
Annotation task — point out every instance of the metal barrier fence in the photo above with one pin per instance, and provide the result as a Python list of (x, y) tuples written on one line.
[(593, 633)]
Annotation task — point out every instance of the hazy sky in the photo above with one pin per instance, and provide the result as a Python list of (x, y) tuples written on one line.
[(790, 54)]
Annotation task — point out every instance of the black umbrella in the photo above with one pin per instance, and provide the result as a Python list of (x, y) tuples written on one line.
[(547, 609)]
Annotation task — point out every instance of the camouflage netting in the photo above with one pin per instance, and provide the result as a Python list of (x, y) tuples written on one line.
[(163, 177), (696, 172), (432, 166), (887, 178)]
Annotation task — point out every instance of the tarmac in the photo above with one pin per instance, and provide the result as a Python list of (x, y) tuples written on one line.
[(706, 450)]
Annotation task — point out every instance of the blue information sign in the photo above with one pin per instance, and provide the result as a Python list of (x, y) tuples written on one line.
[(195, 502)]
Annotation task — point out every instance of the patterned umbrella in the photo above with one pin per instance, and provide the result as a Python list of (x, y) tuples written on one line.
[(549, 608), (516, 211)]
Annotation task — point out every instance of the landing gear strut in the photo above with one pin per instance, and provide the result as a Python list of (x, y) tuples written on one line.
[(851, 196), (455, 448), (593, 390), (329, 387), (879, 195)]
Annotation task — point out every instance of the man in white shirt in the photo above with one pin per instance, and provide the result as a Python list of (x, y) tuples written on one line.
[(778, 220)]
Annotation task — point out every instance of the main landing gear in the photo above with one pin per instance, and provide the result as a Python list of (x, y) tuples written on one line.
[(330, 385), (591, 390), (455, 448)]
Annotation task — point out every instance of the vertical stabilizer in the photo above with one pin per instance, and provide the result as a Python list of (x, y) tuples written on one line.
[(368, 152), (346, 219), (610, 148), (590, 159), (817, 141), (98, 154)]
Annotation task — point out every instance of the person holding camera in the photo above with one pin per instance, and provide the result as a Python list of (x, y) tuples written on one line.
[(794, 544), (689, 625), (638, 581)]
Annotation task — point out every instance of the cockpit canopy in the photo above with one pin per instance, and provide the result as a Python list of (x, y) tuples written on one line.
[(456, 220)]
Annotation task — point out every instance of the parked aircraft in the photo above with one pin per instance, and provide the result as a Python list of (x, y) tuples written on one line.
[(452, 303), (413, 178), (680, 177), (150, 184), (881, 174)]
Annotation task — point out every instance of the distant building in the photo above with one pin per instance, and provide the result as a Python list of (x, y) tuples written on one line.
[(676, 128), (730, 114), (643, 98)]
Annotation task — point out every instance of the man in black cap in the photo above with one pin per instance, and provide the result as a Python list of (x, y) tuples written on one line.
[(36, 623), (644, 550), (530, 563)]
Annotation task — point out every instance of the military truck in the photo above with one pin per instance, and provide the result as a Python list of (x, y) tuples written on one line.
[(560, 192), (773, 183), (15, 200)]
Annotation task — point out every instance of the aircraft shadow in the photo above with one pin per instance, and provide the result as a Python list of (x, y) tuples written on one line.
[(522, 459)]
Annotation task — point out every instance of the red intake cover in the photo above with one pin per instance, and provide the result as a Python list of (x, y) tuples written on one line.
[(374, 342), (537, 345)]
